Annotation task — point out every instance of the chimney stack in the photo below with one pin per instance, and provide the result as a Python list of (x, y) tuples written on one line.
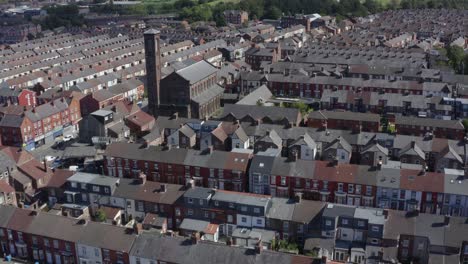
[(153, 69), (138, 228), (163, 188), (45, 165), (191, 183), (142, 178), (379, 165), (195, 238), (294, 155), (298, 197), (259, 247)]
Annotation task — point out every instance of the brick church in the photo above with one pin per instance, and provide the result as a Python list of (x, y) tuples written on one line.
[(192, 92)]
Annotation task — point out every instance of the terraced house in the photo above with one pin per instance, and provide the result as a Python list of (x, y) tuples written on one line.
[(216, 169)]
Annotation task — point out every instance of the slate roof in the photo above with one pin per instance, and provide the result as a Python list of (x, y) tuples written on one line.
[(339, 142), (412, 149), (180, 250), (344, 115), (272, 137), (374, 148), (12, 121), (208, 94), (187, 131), (259, 112), (149, 192), (304, 140), (199, 193), (197, 71), (194, 225), (428, 122), (242, 198), (262, 93)]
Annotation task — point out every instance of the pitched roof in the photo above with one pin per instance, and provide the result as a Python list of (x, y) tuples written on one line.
[(261, 94), (140, 118), (149, 192), (344, 115), (10, 120), (272, 137), (450, 153), (374, 148), (187, 131), (412, 149), (180, 250), (338, 143), (428, 122), (197, 71), (305, 140), (259, 112)]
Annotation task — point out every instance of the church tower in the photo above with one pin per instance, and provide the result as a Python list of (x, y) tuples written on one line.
[(153, 70)]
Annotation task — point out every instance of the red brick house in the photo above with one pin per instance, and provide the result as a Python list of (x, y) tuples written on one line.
[(255, 56), (237, 17), (16, 130), (140, 122), (353, 121), (41, 124), (23, 97), (219, 169), (451, 129), (48, 238)]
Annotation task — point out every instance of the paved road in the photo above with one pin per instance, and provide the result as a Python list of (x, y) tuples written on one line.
[(46, 150)]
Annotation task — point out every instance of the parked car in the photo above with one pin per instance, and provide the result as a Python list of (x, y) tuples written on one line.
[(50, 158), (67, 138)]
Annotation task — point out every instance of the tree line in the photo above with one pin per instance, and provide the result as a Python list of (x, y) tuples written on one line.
[(212, 10), (274, 9)]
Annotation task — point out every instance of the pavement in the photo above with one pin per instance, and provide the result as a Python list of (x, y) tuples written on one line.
[(3, 261)]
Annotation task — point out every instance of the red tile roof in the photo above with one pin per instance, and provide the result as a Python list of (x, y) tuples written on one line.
[(417, 181), (5, 187), (140, 118), (341, 173)]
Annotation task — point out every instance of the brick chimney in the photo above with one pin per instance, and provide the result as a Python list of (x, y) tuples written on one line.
[(138, 228), (195, 238)]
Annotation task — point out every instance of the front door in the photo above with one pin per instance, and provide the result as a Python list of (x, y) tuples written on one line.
[(58, 259), (12, 249), (49, 258), (4, 247)]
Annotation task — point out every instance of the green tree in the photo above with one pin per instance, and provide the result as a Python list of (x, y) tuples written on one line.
[(465, 123), (273, 12), (100, 216), (66, 16), (456, 57), (372, 6), (303, 107), (139, 10)]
